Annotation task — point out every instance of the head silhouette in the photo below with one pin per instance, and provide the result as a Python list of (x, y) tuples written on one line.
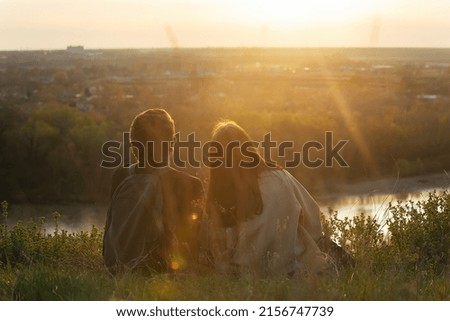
[(152, 134)]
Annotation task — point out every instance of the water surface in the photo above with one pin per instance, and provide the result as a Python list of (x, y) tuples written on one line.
[(371, 198)]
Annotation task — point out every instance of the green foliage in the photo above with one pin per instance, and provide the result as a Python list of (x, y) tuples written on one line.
[(27, 244), (361, 236), (409, 262), (65, 146), (42, 282), (420, 233), (417, 238)]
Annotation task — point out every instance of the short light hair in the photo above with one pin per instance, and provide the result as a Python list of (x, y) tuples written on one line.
[(151, 125)]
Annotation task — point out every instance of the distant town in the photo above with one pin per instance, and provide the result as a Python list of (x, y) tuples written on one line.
[(77, 76)]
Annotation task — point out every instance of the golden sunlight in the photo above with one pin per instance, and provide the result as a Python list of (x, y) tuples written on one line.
[(290, 13)]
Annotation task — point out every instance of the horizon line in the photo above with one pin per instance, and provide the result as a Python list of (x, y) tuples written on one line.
[(223, 47)]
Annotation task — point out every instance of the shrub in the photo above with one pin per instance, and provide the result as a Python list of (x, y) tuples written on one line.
[(419, 233), (417, 238), (361, 235), (26, 243)]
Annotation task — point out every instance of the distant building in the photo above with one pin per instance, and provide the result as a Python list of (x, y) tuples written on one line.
[(75, 49)]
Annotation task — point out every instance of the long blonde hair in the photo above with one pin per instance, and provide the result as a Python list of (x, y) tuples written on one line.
[(234, 190)]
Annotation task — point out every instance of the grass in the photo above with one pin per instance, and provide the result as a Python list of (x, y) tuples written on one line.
[(411, 262)]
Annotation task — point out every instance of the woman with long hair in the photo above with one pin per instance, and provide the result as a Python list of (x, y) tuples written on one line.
[(261, 219)]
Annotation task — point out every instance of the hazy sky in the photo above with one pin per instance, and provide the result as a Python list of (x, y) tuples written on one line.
[(55, 24)]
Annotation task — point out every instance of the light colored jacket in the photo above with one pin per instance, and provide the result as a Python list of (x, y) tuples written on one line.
[(282, 238)]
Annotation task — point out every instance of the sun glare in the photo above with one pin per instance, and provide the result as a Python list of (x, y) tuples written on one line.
[(287, 13)]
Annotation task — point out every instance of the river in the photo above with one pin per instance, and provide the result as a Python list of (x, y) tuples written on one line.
[(371, 198), (374, 197)]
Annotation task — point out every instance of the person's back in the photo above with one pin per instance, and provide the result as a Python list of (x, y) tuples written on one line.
[(135, 223), (281, 239), (153, 219), (263, 220)]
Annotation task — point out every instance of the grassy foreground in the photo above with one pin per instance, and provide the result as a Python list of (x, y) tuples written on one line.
[(411, 262)]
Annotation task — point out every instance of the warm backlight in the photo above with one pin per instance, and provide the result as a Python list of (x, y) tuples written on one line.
[(285, 13)]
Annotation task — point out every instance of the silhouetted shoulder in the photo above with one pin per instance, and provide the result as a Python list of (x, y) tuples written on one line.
[(184, 187), (118, 176)]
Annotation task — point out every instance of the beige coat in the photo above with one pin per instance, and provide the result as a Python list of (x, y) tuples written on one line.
[(282, 238)]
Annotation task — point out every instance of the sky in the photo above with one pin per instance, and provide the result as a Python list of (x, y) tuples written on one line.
[(96, 24)]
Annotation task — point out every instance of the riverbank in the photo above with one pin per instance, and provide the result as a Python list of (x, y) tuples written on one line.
[(392, 186), (375, 197), (72, 218)]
